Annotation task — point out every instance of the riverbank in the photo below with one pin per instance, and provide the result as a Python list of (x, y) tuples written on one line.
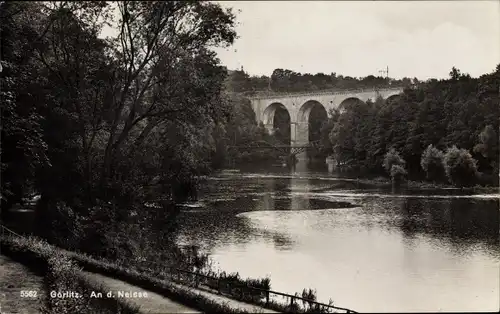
[(62, 269), (72, 271), (381, 182), (58, 273)]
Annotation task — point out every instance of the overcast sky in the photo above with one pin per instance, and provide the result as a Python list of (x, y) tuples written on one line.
[(414, 38)]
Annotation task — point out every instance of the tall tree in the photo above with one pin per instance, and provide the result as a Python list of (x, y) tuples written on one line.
[(22, 149)]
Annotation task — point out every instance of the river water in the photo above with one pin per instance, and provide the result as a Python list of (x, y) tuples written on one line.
[(368, 249)]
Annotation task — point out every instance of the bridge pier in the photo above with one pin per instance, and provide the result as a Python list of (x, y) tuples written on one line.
[(293, 132), (299, 134), (301, 165), (269, 128)]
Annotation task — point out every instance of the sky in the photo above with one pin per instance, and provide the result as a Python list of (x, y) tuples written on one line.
[(422, 39)]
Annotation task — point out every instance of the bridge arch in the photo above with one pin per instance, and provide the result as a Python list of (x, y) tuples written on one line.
[(310, 118), (270, 111), (351, 101), (276, 118), (393, 98)]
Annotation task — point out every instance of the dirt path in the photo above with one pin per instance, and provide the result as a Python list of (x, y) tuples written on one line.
[(14, 278), (156, 303), (153, 303), (230, 302)]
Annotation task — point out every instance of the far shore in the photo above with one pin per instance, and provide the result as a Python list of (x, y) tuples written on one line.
[(381, 182)]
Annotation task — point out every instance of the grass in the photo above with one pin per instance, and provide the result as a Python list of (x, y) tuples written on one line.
[(15, 278), (238, 288), (152, 283), (386, 182), (232, 285), (60, 274), (62, 269)]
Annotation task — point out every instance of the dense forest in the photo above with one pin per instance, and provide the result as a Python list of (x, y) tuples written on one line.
[(432, 116), (98, 126)]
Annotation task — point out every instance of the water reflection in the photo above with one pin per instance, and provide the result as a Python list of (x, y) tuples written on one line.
[(461, 222), (299, 202), (394, 250)]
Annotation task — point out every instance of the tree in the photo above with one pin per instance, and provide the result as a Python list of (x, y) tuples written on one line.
[(392, 158), (23, 149), (432, 163), (159, 43), (397, 173), (118, 116), (350, 134), (238, 81), (488, 145), (455, 74), (460, 167)]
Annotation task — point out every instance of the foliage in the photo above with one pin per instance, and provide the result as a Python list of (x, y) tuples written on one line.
[(460, 167), (284, 80), (243, 139), (64, 275), (398, 172), (391, 159), (439, 113), (22, 149), (432, 163), (61, 275), (488, 146), (103, 125)]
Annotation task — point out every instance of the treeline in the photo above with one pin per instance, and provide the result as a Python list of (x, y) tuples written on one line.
[(242, 141), (98, 126), (443, 130), (283, 80), (455, 121)]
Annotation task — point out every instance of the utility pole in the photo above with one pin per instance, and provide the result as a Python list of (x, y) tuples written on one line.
[(386, 72)]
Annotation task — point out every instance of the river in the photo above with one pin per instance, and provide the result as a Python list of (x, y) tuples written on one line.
[(368, 249)]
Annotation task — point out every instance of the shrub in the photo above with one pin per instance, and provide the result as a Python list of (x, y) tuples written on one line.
[(391, 158), (394, 164), (309, 294), (432, 163), (460, 167), (61, 275), (398, 173)]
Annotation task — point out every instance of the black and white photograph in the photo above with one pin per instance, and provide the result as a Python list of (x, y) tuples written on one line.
[(249, 157)]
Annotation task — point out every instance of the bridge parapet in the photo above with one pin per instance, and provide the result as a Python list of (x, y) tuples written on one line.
[(322, 92)]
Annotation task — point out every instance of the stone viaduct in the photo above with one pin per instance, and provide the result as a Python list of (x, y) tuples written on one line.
[(299, 107)]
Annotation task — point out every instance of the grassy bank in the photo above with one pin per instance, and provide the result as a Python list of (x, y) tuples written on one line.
[(382, 182), (156, 279), (61, 274), (61, 270)]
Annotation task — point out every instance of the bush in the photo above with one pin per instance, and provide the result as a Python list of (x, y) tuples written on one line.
[(394, 164), (460, 167), (152, 280), (61, 275), (398, 173), (391, 158), (432, 163)]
